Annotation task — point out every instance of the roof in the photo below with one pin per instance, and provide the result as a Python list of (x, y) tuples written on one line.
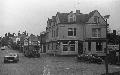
[(63, 17), (53, 18), (92, 13), (80, 18), (49, 21), (32, 37)]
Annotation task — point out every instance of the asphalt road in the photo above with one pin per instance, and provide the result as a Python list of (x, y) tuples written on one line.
[(50, 65)]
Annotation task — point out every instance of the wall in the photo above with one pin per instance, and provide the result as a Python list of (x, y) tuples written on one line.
[(89, 30), (63, 32), (93, 49)]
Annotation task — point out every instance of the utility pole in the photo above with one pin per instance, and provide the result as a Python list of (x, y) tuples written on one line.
[(106, 58)]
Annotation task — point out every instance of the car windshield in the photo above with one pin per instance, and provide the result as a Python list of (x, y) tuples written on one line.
[(12, 54)]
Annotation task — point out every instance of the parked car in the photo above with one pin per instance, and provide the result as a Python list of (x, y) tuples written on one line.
[(82, 57), (89, 58), (96, 59), (11, 57)]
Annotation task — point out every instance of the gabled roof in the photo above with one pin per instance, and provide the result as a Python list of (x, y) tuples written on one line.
[(92, 13), (80, 18)]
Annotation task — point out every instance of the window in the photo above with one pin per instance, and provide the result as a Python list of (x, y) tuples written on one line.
[(96, 19), (74, 31), (65, 48), (56, 32), (72, 47), (98, 46), (52, 33), (89, 46), (96, 32), (71, 19), (71, 31)]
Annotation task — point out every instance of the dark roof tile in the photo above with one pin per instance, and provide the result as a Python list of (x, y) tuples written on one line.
[(63, 17), (82, 18)]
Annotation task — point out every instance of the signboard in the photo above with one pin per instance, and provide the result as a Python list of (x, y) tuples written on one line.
[(113, 47)]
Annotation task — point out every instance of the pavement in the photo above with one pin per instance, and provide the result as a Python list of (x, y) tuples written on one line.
[(51, 65)]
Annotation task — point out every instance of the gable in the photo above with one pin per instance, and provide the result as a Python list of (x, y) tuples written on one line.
[(100, 18), (71, 16)]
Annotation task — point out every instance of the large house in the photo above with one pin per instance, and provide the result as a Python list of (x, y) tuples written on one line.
[(76, 33)]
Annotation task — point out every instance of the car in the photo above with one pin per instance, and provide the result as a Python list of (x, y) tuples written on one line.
[(90, 58), (11, 57), (3, 48), (96, 59), (83, 57)]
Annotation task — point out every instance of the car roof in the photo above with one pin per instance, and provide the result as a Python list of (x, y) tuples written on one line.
[(12, 54)]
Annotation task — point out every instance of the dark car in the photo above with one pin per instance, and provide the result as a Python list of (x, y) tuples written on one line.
[(11, 57), (96, 59), (83, 57), (89, 58)]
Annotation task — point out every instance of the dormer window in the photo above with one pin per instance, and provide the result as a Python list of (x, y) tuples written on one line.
[(71, 18)]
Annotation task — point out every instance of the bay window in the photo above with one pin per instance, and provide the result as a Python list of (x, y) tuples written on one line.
[(96, 32)]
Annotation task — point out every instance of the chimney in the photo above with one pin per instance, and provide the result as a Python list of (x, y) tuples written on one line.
[(53, 17), (77, 11), (71, 12), (114, 32)]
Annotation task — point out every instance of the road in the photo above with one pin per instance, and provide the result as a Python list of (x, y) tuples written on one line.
[(50, 65)]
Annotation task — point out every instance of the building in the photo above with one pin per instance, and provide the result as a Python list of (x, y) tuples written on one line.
[(42, 39), (73, 33), (114, 47)]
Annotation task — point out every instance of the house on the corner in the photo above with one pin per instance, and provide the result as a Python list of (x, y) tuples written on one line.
[(76, 33)]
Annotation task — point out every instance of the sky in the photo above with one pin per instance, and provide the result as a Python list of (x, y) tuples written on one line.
[(32, 15)]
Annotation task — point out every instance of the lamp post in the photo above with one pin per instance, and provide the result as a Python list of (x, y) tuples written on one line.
[(106, 58)]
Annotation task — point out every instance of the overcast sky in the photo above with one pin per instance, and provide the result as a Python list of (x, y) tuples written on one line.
[(32, 15)]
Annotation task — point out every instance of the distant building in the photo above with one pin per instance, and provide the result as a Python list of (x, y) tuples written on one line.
[(42, 39), (76, 33)]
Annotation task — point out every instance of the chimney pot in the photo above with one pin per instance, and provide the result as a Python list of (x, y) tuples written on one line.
[(78, 11)]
